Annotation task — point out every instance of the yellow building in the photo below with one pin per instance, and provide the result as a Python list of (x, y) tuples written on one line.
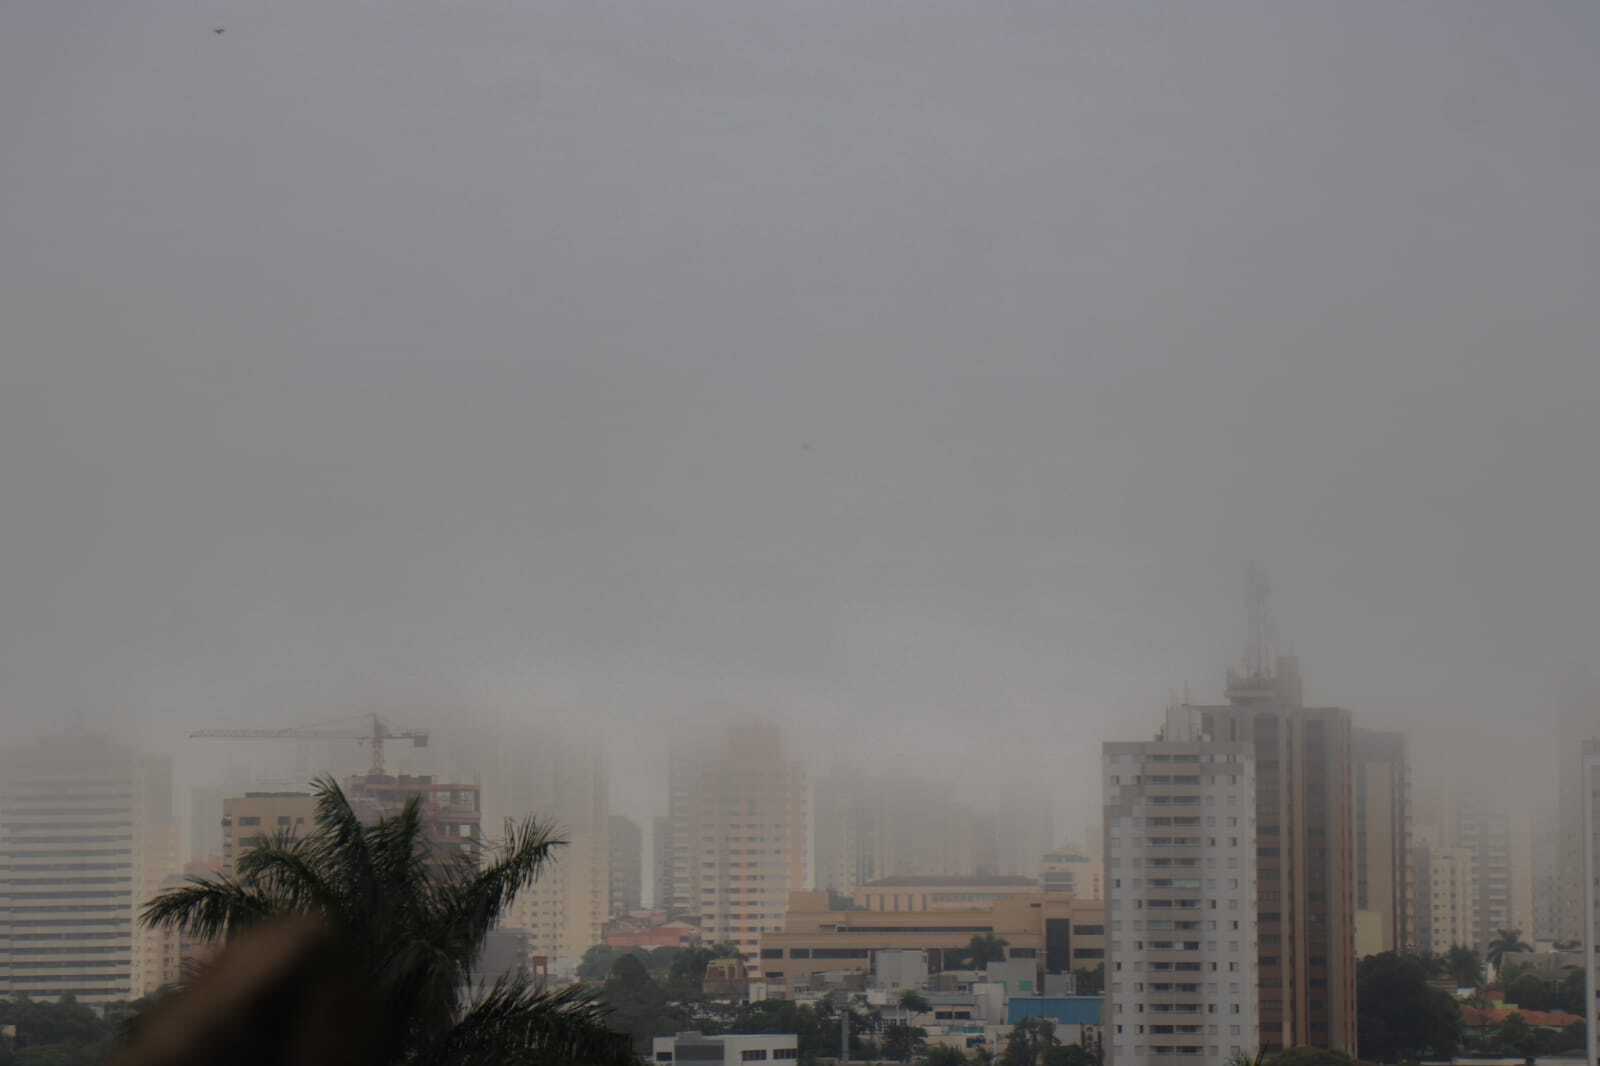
[(1060, 932)]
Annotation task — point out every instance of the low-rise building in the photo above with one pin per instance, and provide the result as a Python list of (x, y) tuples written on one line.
[(1057, 934), (729, 1049), (940, 893)]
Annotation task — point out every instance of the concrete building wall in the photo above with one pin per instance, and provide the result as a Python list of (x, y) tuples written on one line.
[(1180, 847)]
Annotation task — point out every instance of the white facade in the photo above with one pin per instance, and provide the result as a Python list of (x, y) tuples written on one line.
[(728, 1049), (1180, 857), (86, 834)]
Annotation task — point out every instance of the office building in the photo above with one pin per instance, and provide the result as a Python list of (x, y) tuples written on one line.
[(1483, 827), (739, 811), (85, 820), (1306, 862), (1053, 934), (1181, 854), (626, 846)]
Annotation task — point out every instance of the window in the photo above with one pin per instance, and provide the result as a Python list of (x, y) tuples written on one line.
[(786, 1053), (755, 1054), (663, 1056), (251, 820)]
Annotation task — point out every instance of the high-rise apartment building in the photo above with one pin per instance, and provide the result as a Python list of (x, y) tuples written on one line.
[(1589, 847), (661, 862), (627, 864), (1483, 827), (1381, 779), (739, 830), (551, 766), (86, 830), (1180, 847), (1306, 854), (1452, 898)]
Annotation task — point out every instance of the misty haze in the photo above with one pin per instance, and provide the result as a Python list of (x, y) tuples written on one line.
[(999, 533)]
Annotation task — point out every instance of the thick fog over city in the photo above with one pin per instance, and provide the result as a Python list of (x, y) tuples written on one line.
[(919, 380)]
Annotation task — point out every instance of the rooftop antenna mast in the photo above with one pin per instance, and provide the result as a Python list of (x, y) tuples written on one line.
[(1263, 637)]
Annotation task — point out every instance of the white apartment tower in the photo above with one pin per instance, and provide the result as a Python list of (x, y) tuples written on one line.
[(86, 834), (1180, 858)]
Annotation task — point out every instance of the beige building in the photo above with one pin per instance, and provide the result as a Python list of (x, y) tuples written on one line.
[(1059, 933), (740, 821), (1071, 871), (85, 831), (256, 817), (941, 893), (553, 768), (157, 960)]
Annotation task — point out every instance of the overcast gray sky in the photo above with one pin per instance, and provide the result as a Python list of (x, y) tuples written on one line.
[(856, 362)]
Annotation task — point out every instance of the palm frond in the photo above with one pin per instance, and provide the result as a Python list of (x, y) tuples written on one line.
[(469, 908), (340, 842), (210, 907), (288, 871), (519, 1022)]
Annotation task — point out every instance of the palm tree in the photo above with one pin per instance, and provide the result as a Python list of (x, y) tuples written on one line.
[(1505, 942), (1464, 966), (412, 923)]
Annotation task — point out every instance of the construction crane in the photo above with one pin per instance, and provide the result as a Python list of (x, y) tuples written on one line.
[(374, 736)]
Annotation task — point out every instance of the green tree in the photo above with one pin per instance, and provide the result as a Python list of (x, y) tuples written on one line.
[(902, 1042), (638, 1006), (1530, 992), (1030, 1038), (1400, 1016), (1518, 1036), (944, 1055), (1091, 980), (412, 924), (686, 978), (1464, 966), (1312, 1056), (1068, 1055), (1571, 993), (915, 1002), (981, 950), (1505, 942)]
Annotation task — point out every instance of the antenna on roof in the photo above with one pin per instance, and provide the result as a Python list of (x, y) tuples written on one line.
[(1263, 634)]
